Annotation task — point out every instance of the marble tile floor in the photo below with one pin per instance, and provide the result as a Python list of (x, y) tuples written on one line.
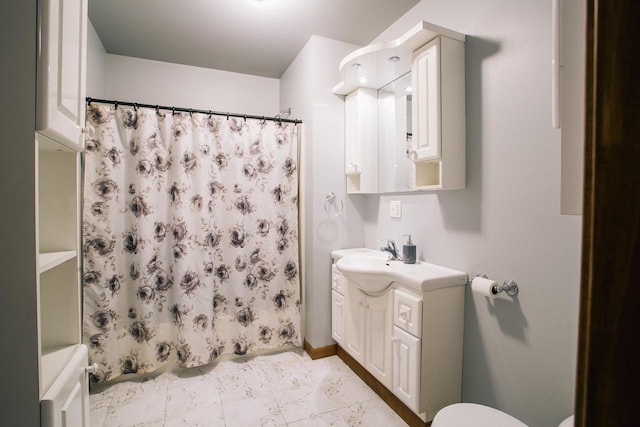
[(284, 389)]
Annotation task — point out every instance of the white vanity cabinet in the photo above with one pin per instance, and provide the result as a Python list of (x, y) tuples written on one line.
[(62, 356), (438, 81), (408, 337), (60, 113), (361, 141)]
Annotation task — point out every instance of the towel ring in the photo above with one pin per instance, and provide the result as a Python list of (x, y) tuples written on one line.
[(331, 199)]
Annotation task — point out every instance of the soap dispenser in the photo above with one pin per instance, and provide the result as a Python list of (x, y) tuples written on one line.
[(409, 251)]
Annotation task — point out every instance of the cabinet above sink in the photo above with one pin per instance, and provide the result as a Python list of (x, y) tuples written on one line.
[(411, 136)]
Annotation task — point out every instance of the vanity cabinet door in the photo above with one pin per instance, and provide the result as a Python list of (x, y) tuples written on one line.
[(61, 70), (406, 368), (354, 323), (379, 321), (337, 317), (425, 76)]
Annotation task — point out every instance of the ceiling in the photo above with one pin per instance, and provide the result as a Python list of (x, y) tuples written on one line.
[(257, 37)]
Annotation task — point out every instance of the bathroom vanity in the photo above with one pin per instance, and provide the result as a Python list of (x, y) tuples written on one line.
[(403, 323)]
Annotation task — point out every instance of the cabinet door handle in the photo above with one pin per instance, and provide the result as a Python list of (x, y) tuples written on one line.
[(89, 131), (92, 369)]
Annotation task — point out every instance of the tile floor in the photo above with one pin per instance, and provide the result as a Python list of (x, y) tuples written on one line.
[(285, 389)]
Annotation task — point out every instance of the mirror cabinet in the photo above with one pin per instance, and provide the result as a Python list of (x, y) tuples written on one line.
[(405, 113)]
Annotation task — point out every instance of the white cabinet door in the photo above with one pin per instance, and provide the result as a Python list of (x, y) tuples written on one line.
[(406, 368), (379, 321), (66, 402), (425, 79), (337, 317), (61, 70), (354, 323)]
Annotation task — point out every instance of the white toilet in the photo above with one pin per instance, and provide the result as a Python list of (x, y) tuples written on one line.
[(474, 415)]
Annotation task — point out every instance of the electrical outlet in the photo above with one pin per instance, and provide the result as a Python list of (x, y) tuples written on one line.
[(395, 208)]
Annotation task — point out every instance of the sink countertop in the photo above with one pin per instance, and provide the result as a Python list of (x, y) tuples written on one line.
[(358, 265)]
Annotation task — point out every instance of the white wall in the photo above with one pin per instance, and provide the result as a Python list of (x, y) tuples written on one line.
[(306, 87), (155, 82), (519, 354)]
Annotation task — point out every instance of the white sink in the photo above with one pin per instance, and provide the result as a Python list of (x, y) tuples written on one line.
[(367, 273), (375, 274)]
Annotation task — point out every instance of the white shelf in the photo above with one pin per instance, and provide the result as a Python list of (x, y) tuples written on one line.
[(53, 361), (48, 260)]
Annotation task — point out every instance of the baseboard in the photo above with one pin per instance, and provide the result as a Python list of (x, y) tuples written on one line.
[(320, 352), (385, 394)]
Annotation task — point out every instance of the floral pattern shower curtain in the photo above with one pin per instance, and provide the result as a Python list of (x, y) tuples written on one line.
[(190, 238)]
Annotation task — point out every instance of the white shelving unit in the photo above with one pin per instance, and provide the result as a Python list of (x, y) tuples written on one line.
[(58, 262)]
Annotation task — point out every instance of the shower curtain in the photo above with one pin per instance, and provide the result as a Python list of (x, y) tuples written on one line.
[(190, 238)]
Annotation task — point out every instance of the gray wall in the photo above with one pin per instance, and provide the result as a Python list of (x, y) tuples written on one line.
[(154, 82), (96, 65), (519, 354), (19, 388)]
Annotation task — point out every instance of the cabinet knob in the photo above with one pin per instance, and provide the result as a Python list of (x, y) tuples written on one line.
[(92, 369), (88, 131)]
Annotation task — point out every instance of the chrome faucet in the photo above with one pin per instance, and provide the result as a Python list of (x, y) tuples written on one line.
[(391, 248)]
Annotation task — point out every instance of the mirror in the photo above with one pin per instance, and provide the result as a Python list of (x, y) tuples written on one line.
[(395, 166)]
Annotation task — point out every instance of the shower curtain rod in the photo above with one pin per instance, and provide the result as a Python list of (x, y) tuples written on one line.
[(189, 110)]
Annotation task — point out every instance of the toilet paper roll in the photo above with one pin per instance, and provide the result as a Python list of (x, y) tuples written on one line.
[(486, 287)]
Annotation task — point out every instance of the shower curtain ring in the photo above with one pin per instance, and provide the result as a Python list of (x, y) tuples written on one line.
[(210, 113), (227, 115), (135, 107), (173, 111), (115, 105), (245, 117), (157, 109), (190, 112)]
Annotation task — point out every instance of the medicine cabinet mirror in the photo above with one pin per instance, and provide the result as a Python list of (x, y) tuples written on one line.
[(395, 167)]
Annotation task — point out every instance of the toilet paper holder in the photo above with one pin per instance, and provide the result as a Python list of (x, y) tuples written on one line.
[(509, 286)]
